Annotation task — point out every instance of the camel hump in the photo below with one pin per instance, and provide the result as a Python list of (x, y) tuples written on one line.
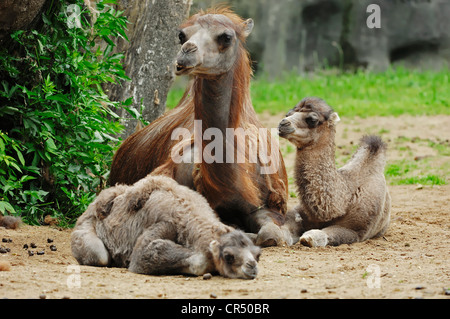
[(374, 144)]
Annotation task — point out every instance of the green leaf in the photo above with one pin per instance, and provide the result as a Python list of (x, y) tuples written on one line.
[(20, 156), (13, 164), (5, 206), (59, 98), (108, 40), (128, 101), (26, 178)]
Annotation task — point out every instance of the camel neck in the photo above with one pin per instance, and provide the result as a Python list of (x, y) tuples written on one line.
[(214, 101), (322, 190), (315, 165)]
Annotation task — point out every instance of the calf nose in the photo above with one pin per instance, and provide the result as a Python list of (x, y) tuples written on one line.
[(284, 122), (251, 263)]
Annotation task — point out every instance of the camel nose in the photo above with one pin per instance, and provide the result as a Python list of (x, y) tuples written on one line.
[(284, 122), (285, 128), (189, 47), (251, 264), (251, 269), (188, 58)]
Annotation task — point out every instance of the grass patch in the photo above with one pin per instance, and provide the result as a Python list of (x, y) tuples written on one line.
[(406, 172), (394, 92), (424, 180), (442, 148)]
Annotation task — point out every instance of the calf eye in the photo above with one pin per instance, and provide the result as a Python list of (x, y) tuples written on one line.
[(229, 259), (312, 121)]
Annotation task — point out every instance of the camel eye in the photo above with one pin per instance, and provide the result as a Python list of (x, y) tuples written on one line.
[(225, 39), (182, 37), (229, 258), (312, 121)]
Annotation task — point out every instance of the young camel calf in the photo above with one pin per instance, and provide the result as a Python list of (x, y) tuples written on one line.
[(157, 226), (342, 206)]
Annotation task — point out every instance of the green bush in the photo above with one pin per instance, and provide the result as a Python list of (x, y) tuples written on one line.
[(58, 127)]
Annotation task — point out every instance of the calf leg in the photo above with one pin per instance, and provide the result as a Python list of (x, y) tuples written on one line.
[(88, 249), (155, 253), (333, 235)]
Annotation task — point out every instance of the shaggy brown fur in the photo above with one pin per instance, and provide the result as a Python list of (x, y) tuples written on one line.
[(9, 222), (348, 205), (157, 226), (220, 99)]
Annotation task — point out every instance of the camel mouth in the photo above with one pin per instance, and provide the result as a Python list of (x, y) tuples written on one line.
[(250, 273), (182, 69), (284, 131), (281, 133), (285, 128)]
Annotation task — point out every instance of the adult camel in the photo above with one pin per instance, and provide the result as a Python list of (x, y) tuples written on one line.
[(251, 193)]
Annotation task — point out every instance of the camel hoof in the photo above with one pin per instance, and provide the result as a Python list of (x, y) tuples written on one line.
[(314, 238), (289, 237), (270, 235)]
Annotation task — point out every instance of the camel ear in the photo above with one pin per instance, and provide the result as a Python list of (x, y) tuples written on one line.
[(334, 118), (103, 209), (247, 27), (214, 247)]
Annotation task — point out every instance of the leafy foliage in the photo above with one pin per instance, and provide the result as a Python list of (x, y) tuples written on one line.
[(58, 127)]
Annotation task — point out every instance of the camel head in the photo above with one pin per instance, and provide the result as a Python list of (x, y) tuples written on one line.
[(211, 42), (303, 125), (235, 255)]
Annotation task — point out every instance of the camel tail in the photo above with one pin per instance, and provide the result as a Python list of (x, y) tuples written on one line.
[(369, 157), (374, 144), (372, 153)]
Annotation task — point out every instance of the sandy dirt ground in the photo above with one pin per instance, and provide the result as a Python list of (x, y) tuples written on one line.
[(411, 261)]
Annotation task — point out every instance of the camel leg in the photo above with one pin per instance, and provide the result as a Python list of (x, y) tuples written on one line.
[(333, 235), (155, 253), (161, 257), (88, 249), (269, 231)]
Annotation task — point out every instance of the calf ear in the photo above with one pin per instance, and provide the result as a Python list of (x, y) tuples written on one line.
[(103, 209), (136, 203), (214, 248), (334, 118)]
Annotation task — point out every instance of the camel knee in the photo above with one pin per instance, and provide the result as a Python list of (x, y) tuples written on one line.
[(314, 238), (270, 233), (88, 249)]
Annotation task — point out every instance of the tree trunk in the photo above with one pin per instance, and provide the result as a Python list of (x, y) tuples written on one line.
[(149, 55), (17, 15)]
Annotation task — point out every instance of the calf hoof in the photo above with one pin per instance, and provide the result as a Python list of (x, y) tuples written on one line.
[(270, 235), (198, 264), (314, 238)]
